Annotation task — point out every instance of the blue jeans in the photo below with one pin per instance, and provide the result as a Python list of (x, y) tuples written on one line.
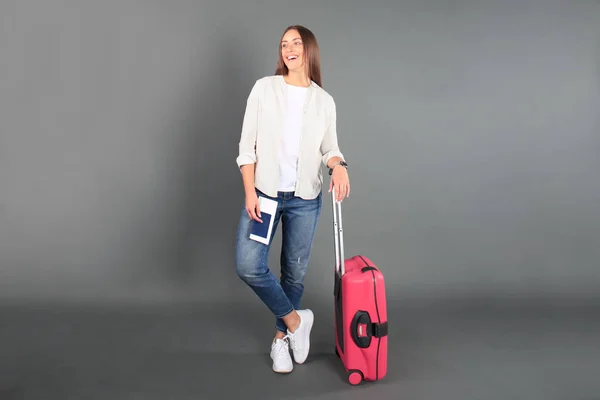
[(298, 219)]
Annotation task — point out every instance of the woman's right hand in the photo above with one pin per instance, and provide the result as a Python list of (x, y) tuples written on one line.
[(253, 207)]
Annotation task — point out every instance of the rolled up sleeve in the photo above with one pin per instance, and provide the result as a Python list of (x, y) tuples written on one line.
[(329, 145), (247, 143)]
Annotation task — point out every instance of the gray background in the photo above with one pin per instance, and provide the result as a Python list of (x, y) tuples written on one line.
[(473, 133), (472, 130)]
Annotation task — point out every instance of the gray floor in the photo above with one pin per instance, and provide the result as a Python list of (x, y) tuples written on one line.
[(51, 351)]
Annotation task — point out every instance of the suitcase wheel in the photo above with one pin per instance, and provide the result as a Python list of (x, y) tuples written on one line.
[(355, 377)]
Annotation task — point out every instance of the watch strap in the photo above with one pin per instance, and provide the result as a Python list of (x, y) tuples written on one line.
[(342, 163)]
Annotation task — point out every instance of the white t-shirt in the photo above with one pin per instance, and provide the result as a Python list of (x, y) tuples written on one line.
[(292, 131)]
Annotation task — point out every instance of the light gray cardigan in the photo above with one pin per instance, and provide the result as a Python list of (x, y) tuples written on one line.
[(262, 130)]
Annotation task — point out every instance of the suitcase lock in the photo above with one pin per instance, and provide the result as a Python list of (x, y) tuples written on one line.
[(363, 330)]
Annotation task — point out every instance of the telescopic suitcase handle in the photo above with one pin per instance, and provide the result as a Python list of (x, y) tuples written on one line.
[(338, 235)]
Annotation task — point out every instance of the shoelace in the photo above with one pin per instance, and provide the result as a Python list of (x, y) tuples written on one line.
[(291, 339), (282, 347)]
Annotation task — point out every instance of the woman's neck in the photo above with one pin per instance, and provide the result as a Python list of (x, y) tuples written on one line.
[(297, 79)]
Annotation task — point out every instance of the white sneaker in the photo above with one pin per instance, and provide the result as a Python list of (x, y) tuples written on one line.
[(300, 339), (280, 354)]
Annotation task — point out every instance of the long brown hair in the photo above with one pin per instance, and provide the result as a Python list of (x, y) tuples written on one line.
[(312, 57)]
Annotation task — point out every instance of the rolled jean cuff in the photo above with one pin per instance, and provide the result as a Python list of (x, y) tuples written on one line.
[(284, 314)]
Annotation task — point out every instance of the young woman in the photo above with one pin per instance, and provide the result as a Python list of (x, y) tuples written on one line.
[(288, 133)]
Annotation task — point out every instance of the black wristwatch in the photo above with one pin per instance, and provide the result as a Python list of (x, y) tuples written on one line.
[(342, 163)]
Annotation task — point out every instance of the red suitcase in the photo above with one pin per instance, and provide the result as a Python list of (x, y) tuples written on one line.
[(361, 326)]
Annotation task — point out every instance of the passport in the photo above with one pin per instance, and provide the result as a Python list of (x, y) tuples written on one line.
[(261, 231)]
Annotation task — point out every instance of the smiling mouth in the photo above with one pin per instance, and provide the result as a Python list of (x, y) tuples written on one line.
[(290, 58)]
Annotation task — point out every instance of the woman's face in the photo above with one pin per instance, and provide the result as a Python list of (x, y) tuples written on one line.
[(292, 50)]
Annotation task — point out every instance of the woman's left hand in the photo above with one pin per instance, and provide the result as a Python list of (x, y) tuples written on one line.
[(341, 183)]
